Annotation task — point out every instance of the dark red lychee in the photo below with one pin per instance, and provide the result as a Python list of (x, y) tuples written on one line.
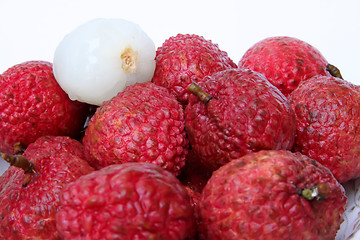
[(327, 113), (144, 123), (185, 58), (240, 112), (271, 195), (32, 104), (285, 61), (29, 198), (126, 201)]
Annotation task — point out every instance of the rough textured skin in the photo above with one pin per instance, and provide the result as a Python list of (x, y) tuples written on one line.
[(185, 58), (32, 104), (327, 111), (246, 114), (126, 201), (285, 61), (29, 212), (257, 197), (144, 123)]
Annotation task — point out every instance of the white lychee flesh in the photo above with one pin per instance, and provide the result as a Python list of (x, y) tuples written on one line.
[(101, 57)]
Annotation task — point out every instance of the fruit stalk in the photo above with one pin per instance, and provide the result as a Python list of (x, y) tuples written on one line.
[(19, 148), (334, 71), (195, 89), (20, 162)]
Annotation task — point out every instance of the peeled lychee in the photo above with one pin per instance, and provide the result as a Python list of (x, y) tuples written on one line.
[(185, 58), (327, 113), (285, 61), (234, 112), (271, 195), (144, 123), (32, 104), (126, 201), (101, 57)]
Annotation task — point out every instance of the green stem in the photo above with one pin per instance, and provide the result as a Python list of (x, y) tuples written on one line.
[(319, 191)]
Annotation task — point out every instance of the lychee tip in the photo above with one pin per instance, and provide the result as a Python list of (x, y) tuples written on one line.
[(319, 192), (129, 59)]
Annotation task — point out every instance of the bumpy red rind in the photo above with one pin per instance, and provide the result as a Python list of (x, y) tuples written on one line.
[(185, 58), (327, 113), (126, 201), (285, 61), (29, 212), (257, 197), (144, 123), (247, 113), (32, 104)]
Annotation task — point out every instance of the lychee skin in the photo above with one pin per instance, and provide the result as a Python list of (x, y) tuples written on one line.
[(185, 58), (126, 201), (285, 61), (32, 104), (257, 197), (246, 114), (144, 123), (327, 113), (29, 212)]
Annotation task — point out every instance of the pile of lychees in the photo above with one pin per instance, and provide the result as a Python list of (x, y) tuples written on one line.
[(118, 140)]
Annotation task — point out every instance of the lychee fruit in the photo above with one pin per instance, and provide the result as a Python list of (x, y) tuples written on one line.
[(126, 201), (327, 111), (234, 112), (272, 194), (285, 61), (101, 57), (30, 187), (185, 58), (32, 104), (144, 123)]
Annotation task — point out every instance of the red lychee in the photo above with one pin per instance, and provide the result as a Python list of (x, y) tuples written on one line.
[(285, 61), (144, 123), (241, 113), (327, 113), (126, 201), (32, 104), (29, 199), (185, 58), (271, 195)]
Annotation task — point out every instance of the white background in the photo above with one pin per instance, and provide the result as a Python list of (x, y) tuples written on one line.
[(31, 29)]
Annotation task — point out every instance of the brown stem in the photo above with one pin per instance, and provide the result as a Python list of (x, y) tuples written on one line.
[(195, 89), (21, 162), (334, 71), (19, 148), (319, 191)]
